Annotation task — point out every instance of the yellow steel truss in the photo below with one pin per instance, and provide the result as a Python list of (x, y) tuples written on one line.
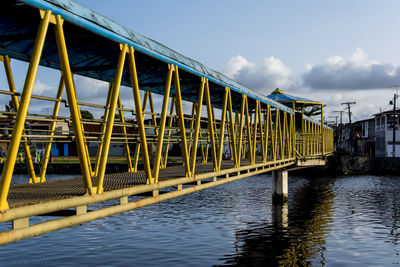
[(264, 134)]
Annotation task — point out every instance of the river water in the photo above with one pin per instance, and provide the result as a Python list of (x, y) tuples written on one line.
[(338, 221)]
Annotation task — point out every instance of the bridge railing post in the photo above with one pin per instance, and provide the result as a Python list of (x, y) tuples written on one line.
[(11, 85), (171, 118), (102, 130), (53, 124), (22, 111), (240, 130), (211, 125), (160, 138), (197, 126), (181, 120), (110, 122), (139, 118), (73, 105)]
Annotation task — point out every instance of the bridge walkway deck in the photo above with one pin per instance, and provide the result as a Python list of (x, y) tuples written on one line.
[(28, 194)]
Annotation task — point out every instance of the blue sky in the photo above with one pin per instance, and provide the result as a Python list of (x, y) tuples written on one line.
[(333, 51), (336, 51), (297, 32)]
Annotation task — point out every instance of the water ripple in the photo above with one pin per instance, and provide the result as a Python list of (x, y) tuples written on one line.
[(326, 221)]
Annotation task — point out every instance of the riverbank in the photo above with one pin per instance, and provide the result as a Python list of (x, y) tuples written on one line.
[(355, 165)]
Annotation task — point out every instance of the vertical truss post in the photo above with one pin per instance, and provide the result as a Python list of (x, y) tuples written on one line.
[(86, 150), (316, 139), (141, 110), (139, 117), (267, 130), (171, 118), (281, 148), (222, 128), (284, 135), (126, 144), (309, 137), (232, 130), (204, 151), (320, 143), (303, 132), (293, 134), (211, 125), (276, 125), (110, 122), (153, 117), (248, 126), (160, 139), (179, 111), (255, 130), (22, 111), (239, 146), (191, 127), (312, 137), (14, 98), (53, 124), (261, 133), (197, 126), (73, 105), (103, 128)]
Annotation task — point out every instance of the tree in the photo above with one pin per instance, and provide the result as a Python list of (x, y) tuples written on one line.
[(115, 118), (313, 111), (87, 115), (10, 107)]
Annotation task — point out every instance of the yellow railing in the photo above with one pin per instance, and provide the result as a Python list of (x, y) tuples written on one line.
[(253, 130)]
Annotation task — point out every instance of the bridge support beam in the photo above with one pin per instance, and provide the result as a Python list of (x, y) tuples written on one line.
[(280, 214), (279, 186)]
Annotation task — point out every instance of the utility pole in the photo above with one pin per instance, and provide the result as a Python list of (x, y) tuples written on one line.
[(394, 117), (349, 109), (394, 125), (335, 118), (351, 145), (341, 115)]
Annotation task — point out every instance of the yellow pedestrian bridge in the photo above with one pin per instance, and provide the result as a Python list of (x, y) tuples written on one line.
[(222, 130)]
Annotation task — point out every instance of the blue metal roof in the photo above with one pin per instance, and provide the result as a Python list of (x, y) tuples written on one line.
[(289, 98), (281, 96), (92, 47)]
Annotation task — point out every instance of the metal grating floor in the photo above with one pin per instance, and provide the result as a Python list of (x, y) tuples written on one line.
[(28, 194)]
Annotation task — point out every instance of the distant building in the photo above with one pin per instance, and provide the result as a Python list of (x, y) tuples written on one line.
[(370, 137), (384, 134), (364, 137)]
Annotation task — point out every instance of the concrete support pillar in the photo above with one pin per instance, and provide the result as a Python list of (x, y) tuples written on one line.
[(280, 185), (280, 214)]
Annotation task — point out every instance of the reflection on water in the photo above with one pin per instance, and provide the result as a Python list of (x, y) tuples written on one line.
[(296, 234), (351, 221)]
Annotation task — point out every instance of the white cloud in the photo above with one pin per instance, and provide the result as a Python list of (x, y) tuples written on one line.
[(355, 72), (41, 88), (264, 77)]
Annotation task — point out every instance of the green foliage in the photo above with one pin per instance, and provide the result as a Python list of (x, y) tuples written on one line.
[(10, 107), (313, 111), (87, 115)]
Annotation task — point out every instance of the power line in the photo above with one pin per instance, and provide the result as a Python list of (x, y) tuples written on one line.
[(341, 115), (335, 118), (349, 108)]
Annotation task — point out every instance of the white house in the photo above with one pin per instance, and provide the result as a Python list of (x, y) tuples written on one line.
[(384, 134)]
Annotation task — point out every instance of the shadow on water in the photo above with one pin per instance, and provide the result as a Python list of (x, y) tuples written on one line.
[(296, 235)]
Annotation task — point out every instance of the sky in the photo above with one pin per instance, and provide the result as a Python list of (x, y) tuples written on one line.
[(331, 51)]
